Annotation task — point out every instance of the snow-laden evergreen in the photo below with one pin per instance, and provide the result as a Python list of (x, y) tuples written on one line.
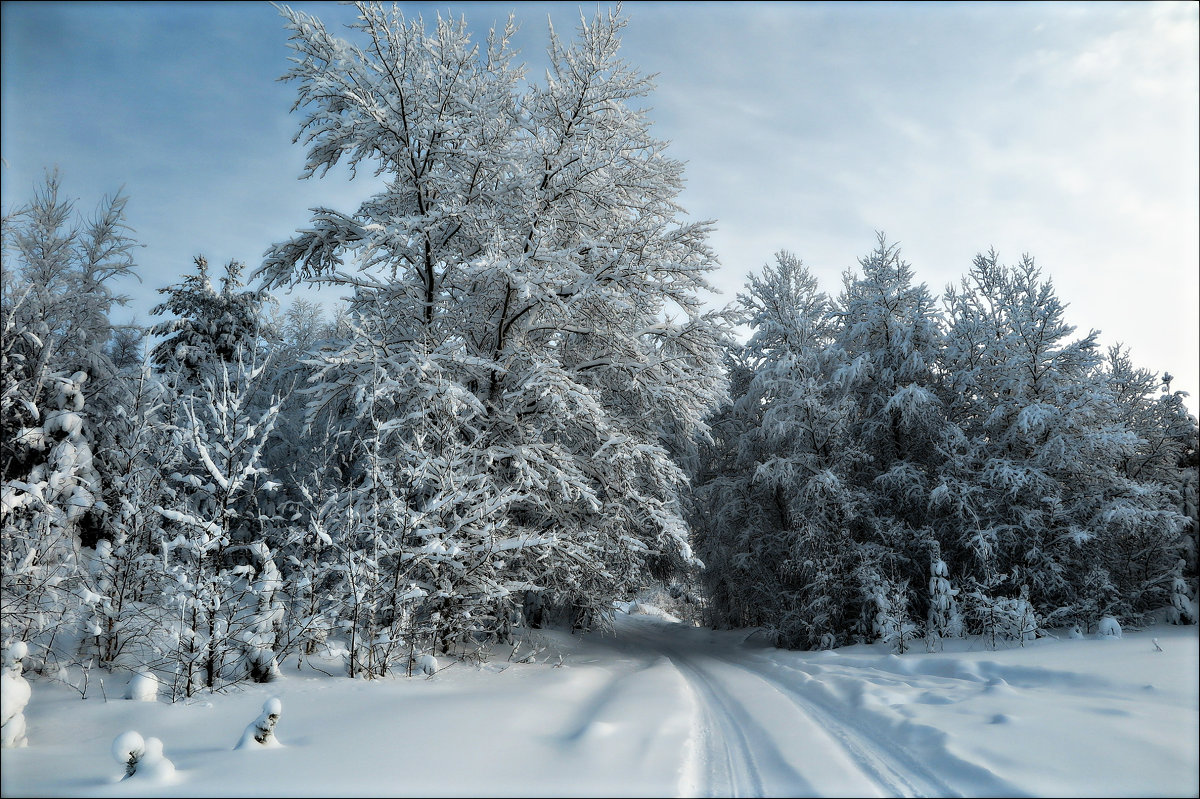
[(261, 731), (877, 444)]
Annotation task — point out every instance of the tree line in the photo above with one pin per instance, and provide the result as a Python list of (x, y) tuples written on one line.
[(891, 466)]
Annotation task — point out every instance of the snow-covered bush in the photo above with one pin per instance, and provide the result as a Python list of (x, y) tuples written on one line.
[(261, 620), (888, 600), (1003, 619), (261, 731), (154, 765), (427, 664), (1183, 606), (1109, 628), (14, 695), (142, 687)]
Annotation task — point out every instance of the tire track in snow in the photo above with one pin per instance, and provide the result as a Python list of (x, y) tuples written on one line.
[(887, 764), (730, 767), (738, 755), (734, 743), (879, 747)]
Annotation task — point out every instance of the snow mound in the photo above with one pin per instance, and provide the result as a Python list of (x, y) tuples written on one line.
[(1109, 628), (142, 687), (636, 608)]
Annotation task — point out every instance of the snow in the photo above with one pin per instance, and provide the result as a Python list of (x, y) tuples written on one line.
[(142, 687), (664, 709)]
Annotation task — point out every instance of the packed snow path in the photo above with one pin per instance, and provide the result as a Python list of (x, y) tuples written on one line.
[(764, 730), (663, 709)]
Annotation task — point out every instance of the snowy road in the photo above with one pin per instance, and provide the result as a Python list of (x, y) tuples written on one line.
[(663, 709), (758, 732)]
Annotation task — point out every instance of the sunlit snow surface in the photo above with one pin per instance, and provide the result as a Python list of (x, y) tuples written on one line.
[(663, 709)]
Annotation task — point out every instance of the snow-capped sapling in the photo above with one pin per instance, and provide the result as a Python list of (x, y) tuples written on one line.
[(127, 749), (261, 731), (154, 765), (142, 758)]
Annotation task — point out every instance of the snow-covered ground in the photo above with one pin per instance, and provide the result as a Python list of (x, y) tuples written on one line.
[(663, 709)]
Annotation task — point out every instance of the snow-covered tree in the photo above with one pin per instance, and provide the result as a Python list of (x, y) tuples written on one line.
[(261, 731), (57, 294), (210, 327), (874, 435), (527, 247), (945, 618), (43, 586), (1046, 452), (124, 570), (212, 527), (891, 622), (775, 509)]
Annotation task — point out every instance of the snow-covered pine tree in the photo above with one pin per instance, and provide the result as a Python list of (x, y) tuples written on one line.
[(803, 458), (723, 508), (208, 326), (529, 240), (886, 339), (1050, 495), (945, 618), (1167, 435)]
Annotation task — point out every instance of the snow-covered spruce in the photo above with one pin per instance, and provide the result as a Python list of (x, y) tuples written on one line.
[(127, 749), (14, 695), (261, 731), (945, 619), (143, 759), (867, 431)]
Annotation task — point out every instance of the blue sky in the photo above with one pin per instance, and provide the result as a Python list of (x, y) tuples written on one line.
[(1068, 131)]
